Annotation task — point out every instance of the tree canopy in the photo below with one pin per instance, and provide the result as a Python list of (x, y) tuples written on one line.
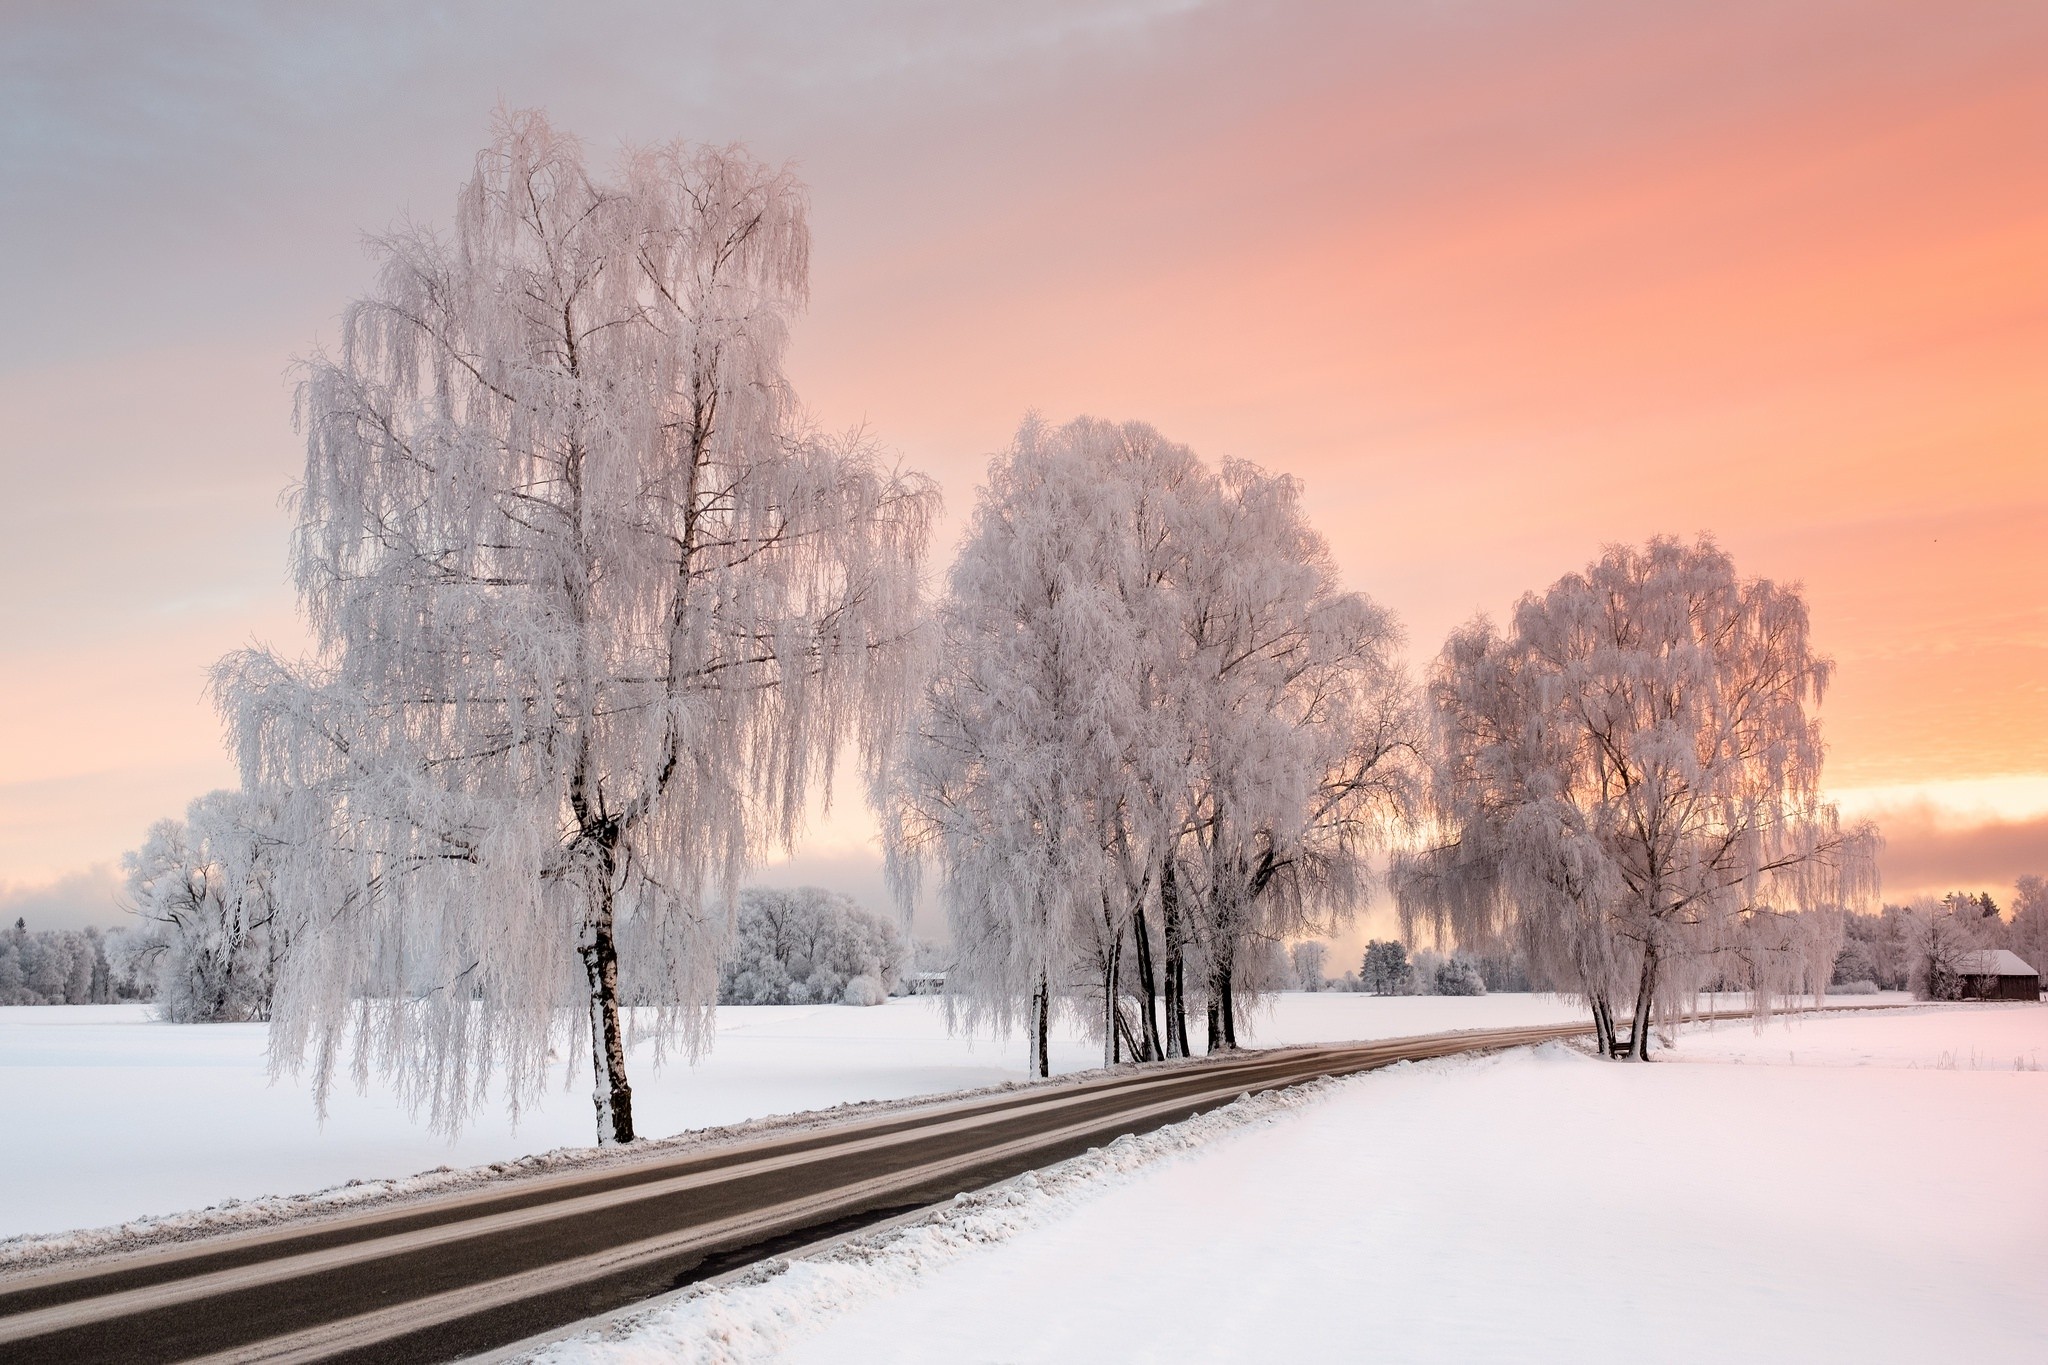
[(1158, 738)]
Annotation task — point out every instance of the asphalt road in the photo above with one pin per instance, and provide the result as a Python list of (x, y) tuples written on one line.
[(450, 1277)]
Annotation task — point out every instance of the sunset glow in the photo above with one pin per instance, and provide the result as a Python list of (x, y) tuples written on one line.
[(1499, 284)]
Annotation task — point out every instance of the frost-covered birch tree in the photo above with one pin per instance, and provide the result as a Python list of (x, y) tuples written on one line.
[(593, 610), (1015, 777), (1628, 782), (1158, 734)]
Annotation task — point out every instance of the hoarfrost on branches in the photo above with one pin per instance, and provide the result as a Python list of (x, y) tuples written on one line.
[(1159, 740), (208, 935), (2030, 923), (1627, 783), (1018, 776), (809, 947), (593, 609), (1309, 962), (1297, 722)]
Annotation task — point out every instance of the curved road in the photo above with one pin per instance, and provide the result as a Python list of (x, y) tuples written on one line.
[(449, 1277)]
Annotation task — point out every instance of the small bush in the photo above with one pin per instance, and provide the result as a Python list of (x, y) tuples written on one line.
[(1854, 988), (863, 990)]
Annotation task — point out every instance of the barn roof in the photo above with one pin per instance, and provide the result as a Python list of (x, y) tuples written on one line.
[(1992, 962)]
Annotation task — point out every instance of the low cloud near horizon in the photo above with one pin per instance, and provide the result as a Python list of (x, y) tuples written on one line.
[(79, 900), (1927, 855)]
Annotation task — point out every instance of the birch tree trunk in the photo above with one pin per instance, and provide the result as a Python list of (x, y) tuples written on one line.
[(1222, 996), (1646, 995), (1603, 1025), (613, 1095), (1176, 963), (1041, 1028), (1112, 960), (1147, 1047)]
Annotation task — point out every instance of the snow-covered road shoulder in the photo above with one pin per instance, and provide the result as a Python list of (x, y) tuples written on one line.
[(757, 1313)]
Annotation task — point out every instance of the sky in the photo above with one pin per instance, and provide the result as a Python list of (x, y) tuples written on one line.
[(1501, 282)]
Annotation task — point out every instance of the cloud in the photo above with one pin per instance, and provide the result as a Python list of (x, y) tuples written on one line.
[(1925, 854), (91, 897)]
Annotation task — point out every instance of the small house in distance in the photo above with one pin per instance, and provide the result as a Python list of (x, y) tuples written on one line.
[(1997, 974)]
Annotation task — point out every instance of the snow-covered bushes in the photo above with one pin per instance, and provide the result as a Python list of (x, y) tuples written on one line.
[(1390, 969), (1438, 973), (1853, 988), (863, 990), (1877, 948), (200, 887), (809, 946)]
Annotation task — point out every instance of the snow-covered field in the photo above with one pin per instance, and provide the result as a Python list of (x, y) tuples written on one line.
[(1872, 1191), (111, 1116)]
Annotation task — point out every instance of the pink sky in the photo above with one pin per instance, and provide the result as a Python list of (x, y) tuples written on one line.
[(1499, 282)]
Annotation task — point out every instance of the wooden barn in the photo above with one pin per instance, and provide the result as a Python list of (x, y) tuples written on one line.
[(1997, 974)]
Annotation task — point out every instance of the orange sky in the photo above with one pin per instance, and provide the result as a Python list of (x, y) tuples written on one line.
[(1499, 282)]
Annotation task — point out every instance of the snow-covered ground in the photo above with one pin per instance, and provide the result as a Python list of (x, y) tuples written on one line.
[(1874, 1192), (110, 1115)]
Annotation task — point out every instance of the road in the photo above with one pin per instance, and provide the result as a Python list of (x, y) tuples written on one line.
[(441, 1279)]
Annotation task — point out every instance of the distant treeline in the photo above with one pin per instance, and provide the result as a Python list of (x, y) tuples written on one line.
[(208, 958), (1912, 947), (59, 967)]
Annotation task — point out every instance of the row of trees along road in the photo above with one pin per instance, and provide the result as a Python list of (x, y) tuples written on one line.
[(594, 609)]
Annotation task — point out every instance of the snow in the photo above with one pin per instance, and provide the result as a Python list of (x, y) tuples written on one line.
[(1540, 1205), (1994, 1038), (1993, 962), (121, 1117)]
